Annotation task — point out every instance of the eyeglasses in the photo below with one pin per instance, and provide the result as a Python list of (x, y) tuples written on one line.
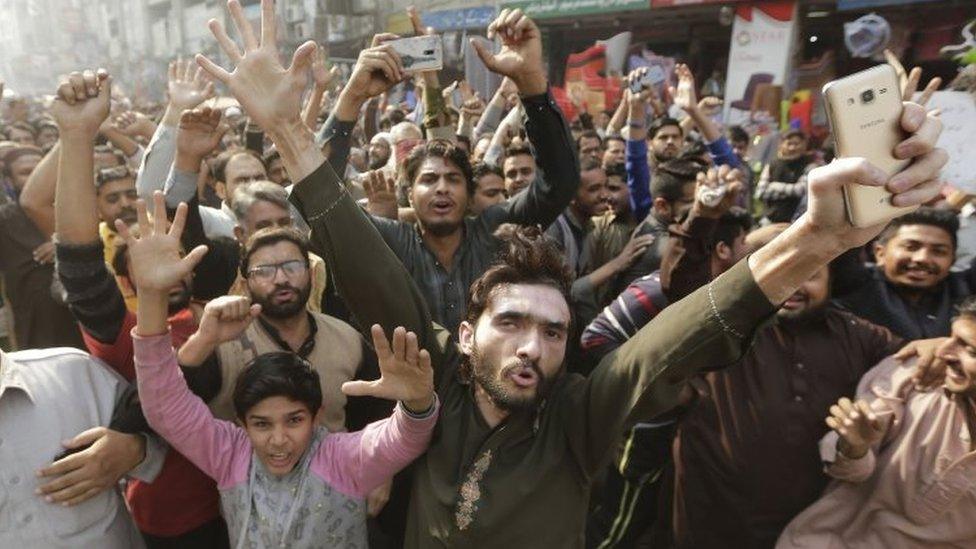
[(265, 273)]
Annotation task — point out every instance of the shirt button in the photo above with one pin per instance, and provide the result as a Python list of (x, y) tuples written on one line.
[(799, 365), (798, 398), (14, 480)]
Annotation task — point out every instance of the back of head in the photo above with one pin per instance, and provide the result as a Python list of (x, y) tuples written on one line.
[(671, 177), (281, 373), (932, 217), (248, 194), (733, 223), (527, 256)]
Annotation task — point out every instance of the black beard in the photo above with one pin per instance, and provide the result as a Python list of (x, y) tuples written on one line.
[(810, 314), (286, 310), (441, 228), (485, 375)]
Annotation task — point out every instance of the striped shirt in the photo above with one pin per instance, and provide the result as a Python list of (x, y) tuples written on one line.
[(637, 305)]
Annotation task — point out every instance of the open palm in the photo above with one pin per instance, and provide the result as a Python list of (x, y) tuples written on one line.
[(155, 261), (270, 93), (405, 371), (187, 86)]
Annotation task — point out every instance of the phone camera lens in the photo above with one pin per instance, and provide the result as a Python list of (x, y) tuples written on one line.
[(867, 96)]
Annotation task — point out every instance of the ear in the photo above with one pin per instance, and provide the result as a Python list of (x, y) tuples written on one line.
[(722, 251), (239, 233), (879, 252), (662, 207), (466, 338), (221, 190), (316, 419)]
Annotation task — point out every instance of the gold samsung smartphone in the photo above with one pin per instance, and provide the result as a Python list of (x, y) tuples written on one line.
[(864, 110)]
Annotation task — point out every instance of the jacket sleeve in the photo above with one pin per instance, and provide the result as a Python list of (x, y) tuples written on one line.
[(91, 292), (638, 178), (219, 448), (553, 188), (645, 376), (156, 162)]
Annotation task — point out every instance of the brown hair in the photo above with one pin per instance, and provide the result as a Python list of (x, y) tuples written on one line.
[(528, 257), (269, 237), (439, 148)]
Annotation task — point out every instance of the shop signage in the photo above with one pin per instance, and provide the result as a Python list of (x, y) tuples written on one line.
[(759, 56), (674, 3), (460, 19), (843, 5), (550, 9)]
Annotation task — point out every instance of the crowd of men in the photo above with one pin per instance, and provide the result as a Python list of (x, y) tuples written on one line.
[(328, 319)]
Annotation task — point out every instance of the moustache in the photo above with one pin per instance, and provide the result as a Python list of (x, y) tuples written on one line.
[(524, 363), (927, 267)]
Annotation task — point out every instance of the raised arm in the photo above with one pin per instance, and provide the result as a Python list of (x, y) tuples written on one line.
[(322, 77), (521, 60), (187, 88), (712, 325), (370, 277), (686, 98), (37, 196), (638, 171)]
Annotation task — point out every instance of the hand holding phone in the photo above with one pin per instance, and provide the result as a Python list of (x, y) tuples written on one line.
[(864, 110)]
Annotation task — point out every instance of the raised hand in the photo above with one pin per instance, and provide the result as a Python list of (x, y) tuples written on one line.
[(226, 318), (322, 75), (916, 184), (270, 93), (82, 102), (405, 372), (684, 95), (381, 199), (377, 70), (199, 133), (858, 426), (634, 248), (188, 86), (474, 106), (930, 370), (155, 262), (133, 123), (716, 191), (521, 55)]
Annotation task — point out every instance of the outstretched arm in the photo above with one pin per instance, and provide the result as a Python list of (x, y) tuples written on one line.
[(370, 277)]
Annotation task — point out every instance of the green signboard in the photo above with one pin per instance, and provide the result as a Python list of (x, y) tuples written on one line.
[(550, 9)]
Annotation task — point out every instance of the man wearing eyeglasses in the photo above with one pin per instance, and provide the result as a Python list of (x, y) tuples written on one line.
[(275, 268)]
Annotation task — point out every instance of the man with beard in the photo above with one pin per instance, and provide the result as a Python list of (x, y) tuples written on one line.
[(911, 290), (275, 266), (519, 440), (745, 453), (445, 251), (783, 181), (379, 151)]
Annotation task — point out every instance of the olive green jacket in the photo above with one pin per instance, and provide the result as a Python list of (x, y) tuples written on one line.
[(524, 484)]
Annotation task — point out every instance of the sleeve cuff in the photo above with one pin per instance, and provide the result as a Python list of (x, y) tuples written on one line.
[(426, 414), (152, 464), (839, 466), (89, 252), (540, 101), (152, 350)]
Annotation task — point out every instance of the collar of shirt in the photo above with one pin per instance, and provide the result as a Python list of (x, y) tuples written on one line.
[(10, 377), (305, 348)]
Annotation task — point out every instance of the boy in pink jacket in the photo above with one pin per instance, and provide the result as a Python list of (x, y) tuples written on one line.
[(283, 481)]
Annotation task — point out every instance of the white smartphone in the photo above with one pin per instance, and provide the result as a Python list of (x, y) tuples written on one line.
[(420, 53), (864, 110)]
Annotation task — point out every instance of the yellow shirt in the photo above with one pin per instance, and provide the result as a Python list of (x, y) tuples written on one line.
[(109, 241)]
